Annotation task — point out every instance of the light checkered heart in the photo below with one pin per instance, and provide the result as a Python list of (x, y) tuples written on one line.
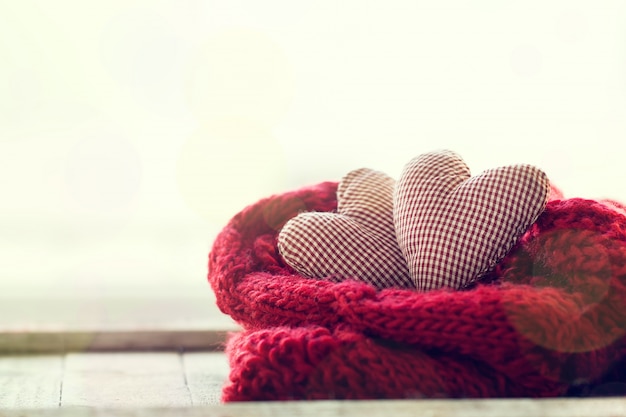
[(358, 241), (453, 228)]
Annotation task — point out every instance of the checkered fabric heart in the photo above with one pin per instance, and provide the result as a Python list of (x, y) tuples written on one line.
[(453, 228), (358, 241)]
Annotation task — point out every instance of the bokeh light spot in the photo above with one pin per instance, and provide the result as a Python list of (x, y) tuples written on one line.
[(239, 73), (143, 53), (228, 165), (575, 310), (571, 26), (526, 61), (103, 174)]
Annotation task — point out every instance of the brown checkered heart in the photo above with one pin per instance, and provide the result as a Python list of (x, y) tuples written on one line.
[(453, 228), (358, 241)]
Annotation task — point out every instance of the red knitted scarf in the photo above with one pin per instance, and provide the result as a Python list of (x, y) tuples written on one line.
[(549, 320)]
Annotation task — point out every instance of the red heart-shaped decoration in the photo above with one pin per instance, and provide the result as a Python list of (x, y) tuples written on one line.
[(358, 241), (452, 228)]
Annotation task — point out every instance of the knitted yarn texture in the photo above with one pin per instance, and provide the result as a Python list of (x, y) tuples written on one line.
[(549, 320)]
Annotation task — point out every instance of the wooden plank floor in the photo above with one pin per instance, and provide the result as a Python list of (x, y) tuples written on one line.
[(118, 380), (396, 408), (30, 381), (167, 384)]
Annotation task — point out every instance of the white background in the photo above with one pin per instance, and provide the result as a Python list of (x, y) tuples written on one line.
[(131, 131)]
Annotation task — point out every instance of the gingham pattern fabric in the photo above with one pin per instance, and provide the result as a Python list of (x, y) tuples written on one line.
[(453, 228), (356, 242)]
